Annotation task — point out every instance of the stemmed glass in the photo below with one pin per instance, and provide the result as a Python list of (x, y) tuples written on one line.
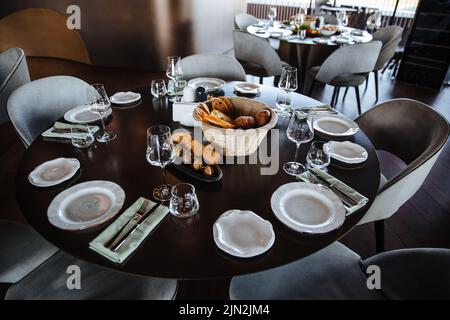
[(174, 72), (160, 153), (272, 15), (318, 155), (288, 83), (300, 130), (299, 20), (99, 103)]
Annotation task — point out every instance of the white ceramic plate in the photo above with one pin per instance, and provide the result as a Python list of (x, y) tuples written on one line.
[(82, 114), (347, 152), (243, 234), (247, 87), (86, 205), (54, 172), (125, 97), (341, 39), (210, 84), (308, 208), (335, 125)]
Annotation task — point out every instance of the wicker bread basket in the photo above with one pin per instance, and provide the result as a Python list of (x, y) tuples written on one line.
[(239, 142)]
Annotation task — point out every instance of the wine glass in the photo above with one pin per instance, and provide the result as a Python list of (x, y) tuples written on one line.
[(183, 201), (160, 153), (288, 83), (99, 103), (318, 155), (300, 130), (174, 72), (272, 14), (342, 17), (299, 20)]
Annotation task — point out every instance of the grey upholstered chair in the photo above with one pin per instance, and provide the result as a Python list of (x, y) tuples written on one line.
[(22, 250), (48, 282), (336, 272), (390, 36), (212, 65), (347, 67), (243, 20), (257, 56), (329, 18), (37, 105), (416, 134), (13, 74)]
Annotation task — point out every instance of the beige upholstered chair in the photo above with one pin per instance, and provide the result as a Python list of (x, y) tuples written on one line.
[(212, 65), (416, 134), (243, 20), (257, 56)]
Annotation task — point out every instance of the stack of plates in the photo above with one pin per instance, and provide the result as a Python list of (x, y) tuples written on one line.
[(308, 208)]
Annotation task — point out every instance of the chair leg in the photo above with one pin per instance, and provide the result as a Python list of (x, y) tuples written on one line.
[(379, 235), (336, 99), (311, 88), (276, 80), (394, 72), (261, 80), (367, 81), (345, 94), (334, 96), (376, 84), (387, 65), (358, 100)]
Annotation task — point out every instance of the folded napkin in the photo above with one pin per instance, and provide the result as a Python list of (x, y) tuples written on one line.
[(52, 132), (362, 200), (133, 242)]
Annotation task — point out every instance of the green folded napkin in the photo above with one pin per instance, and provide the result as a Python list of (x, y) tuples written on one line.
[(361, 200), (134, 240), (50, 133)]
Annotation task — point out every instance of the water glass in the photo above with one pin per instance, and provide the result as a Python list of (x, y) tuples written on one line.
[(283, 104), (81, 136), (318, 155), (183, 201), (272, 15), (159, 88)]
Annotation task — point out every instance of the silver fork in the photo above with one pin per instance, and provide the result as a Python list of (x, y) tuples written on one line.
[(125, 229), (316, 181)]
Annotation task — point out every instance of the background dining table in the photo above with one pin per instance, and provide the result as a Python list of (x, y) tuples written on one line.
[(185, 249)]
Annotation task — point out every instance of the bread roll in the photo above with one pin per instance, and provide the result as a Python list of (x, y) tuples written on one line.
[(244, 122), (262, 118)]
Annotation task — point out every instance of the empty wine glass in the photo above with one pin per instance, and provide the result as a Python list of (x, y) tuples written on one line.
[(158, 88), (272, 15), (174, 72), (183, 200), (299, 21), (160, 153), (300, 130), (318, 155), (81, 136), (288, 83), (342, 17), (99, 103)]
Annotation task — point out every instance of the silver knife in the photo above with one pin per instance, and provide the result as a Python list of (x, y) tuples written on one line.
[(341, 193), (135, 227)]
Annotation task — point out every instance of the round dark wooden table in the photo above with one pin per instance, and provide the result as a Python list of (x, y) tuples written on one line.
[(184, 249)]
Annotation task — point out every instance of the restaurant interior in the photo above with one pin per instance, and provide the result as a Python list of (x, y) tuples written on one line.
[(224, 150)]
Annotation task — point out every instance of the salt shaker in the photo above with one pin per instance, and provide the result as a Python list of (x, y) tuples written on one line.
[(188, 94)]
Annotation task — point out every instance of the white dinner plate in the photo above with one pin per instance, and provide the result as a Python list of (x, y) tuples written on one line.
[(210, 84), (308, 208), (321, 40), (82, 114), (86, 205), (335, 125), (341, 39), (243, 234), (247, 88), (125, 97), (347, 152), (54, 172)]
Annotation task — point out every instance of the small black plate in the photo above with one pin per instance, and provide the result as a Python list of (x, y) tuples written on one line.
[(189, 171)]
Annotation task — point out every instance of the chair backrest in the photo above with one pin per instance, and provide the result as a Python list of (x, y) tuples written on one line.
[(329, 18), (416, 134), (212, 65), (253, 49), (13, 74), (356, 58), (243, 20), (391, 37), (413, 274), (37, 105)]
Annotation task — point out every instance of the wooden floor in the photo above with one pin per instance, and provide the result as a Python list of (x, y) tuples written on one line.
[(424, 221)]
